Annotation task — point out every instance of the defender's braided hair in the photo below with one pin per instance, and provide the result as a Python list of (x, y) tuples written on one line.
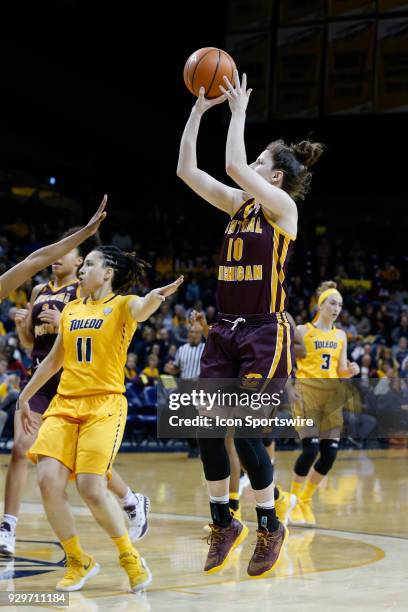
[(128, 269)]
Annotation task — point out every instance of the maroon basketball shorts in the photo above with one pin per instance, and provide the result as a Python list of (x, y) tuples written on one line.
[(251, 349)]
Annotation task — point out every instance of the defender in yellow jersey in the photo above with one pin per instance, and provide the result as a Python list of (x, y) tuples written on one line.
[(83, 426), (320, 395), (37, 327)]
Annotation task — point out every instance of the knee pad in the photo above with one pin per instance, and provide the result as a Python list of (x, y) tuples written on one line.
[(256, 461), (214, 457), (310, 450), (328, 454)]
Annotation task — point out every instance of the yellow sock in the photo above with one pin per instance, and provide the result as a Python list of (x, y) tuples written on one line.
[(234, 498), (309, 490), (296, 487), (72, 546), (123, 543)]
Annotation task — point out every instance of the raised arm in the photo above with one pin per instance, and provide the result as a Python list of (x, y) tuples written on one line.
[(280, 205), (44, 257), (143, 308), (216, 193)]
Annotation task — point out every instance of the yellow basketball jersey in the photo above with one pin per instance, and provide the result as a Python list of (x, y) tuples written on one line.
[(96, 336), (323, 350)]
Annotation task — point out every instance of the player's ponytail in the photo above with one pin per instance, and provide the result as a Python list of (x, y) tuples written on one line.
[(307, 152), (128, 269), (295, 160)]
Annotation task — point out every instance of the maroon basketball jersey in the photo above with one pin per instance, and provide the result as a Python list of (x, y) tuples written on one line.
[(45, 333), (253, 262)]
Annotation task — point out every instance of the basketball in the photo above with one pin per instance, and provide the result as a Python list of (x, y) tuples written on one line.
[(206, 68)]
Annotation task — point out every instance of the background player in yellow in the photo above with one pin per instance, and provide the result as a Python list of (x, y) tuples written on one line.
[(321, 397), (84, 424), (40, 259)]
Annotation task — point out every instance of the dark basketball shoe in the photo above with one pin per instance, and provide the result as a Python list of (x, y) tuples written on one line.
[(222, 541), (267, 552)]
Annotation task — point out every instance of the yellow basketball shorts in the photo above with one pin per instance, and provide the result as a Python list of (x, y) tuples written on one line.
[(323, 405), (84, 433)]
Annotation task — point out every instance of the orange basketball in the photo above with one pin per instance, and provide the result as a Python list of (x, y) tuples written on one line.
[(206, 68)]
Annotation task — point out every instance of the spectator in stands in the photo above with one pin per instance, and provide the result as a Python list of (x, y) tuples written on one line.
[(361, 322), (384, 360), (400, 351), (379, 331), (165, 311), (360, 350), (19, 296), (171, 355), (384, 383), (392, 419), (131, 370), (346, 325), (164, 341), (9, 324), (13, 358), (401, 330), (192, 291), (367, 369), (404, 369), (9, 391), (179, 325), (144, 346), (152, 369)]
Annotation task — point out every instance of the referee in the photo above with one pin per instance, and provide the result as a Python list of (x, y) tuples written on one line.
[(187, 365)]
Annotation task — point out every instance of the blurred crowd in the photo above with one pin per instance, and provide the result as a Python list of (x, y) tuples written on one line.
[(374, 316)]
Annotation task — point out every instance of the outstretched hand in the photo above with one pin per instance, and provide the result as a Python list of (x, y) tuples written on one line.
[(51, 316), (204, 103), (237, 94), (26, 419), (22, 318), (353, 368), (163, 292), (93, 224)]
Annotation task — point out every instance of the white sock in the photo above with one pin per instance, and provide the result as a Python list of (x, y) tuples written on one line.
[(223, 499), (267, 504), (129, 499), (11, 520)]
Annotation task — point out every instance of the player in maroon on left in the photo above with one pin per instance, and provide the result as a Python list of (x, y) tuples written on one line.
[(37, 328)]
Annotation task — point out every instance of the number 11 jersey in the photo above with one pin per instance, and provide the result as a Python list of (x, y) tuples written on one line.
[(96, 335)]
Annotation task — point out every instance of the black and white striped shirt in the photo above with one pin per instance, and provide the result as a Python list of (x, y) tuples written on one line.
[(188, 360)]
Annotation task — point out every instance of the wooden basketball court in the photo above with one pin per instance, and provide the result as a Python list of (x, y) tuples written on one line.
[(355, 559)]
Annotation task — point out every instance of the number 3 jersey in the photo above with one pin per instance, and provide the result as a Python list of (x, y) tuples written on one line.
[(253, 264), (323, 349), (96, 335)]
